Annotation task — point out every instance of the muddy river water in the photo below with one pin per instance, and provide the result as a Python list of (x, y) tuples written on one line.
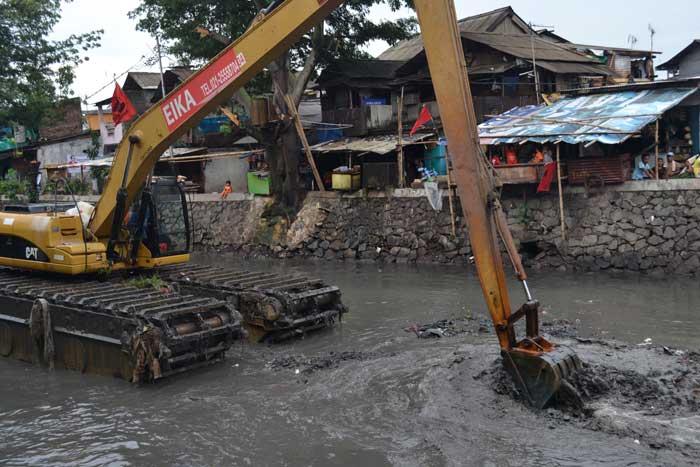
[(369, 393)]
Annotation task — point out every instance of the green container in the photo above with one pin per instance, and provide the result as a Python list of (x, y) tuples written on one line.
[(435, 160), (259, 183)]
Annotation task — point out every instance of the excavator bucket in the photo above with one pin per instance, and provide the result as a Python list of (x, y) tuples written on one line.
[(541, 376)]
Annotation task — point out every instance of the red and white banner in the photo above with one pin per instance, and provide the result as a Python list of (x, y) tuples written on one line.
[(208, 83)]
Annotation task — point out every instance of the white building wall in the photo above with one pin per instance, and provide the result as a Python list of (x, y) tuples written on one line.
[(217, 171), (59, 152)]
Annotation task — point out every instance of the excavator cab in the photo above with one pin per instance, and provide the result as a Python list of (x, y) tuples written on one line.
[(170, 221), (159, 219)]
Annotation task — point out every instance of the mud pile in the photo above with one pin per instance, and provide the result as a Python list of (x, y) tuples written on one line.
[(675, 391), (450, 328), (310, 364), (672, 392)]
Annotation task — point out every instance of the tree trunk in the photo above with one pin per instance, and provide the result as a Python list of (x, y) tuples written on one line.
[(283, 157), (282, 143)]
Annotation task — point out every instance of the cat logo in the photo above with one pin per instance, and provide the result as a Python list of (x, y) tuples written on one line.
[(32, 253)]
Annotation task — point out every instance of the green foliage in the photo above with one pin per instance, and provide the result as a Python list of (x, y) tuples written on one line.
[(147, 282), (346, 30), (524, 215), (94, 150), (80, 186), (76, 186), (34, 70), (11, 186), (342, 35)]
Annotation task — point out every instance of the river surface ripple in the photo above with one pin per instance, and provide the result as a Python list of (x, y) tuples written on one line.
[(396, 408)]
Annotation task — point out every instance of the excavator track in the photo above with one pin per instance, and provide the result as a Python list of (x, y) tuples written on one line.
[(274, 307), (111, 328)]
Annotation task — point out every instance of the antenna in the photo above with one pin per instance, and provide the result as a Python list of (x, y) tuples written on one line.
[(632, 40), (652, 33)]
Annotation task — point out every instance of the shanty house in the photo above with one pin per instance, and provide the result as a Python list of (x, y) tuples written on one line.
[(499, 50), (600, 132), (685, 64)]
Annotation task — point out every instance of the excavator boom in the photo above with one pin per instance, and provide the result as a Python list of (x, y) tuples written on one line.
[(154, 131)]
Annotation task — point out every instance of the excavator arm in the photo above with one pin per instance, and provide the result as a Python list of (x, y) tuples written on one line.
[(537, 366)]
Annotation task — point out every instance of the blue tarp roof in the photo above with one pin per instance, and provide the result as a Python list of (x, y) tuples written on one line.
[(606, 118)]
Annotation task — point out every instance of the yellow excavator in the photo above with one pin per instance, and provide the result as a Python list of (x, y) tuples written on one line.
[(49, 313)]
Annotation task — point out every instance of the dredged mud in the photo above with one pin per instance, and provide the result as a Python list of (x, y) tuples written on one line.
[(646, 397)]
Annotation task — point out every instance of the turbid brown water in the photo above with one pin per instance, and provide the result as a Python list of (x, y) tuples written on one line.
[(383, 396)]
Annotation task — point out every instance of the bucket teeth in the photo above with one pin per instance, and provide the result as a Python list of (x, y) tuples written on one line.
[(539, 377)]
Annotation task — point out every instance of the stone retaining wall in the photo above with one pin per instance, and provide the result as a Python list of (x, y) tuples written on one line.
[(652, 227)]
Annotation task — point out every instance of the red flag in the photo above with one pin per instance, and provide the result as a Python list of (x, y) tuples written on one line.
[(423, 118), (122, 110)]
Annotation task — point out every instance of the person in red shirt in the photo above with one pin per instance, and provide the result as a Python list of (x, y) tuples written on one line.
[(228, 189), (511, 156)]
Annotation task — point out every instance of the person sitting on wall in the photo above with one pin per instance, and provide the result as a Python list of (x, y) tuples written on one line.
[(228, 189), (643, 169), (674, 166)]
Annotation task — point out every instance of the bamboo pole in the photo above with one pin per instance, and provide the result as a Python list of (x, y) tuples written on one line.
[(400, 161), (561, 196), (449, 193), (656, 145), (302, 136)]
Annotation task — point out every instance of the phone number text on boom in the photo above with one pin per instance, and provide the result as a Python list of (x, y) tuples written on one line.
[(223, 76)]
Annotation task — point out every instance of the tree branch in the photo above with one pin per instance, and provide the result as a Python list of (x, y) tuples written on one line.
[(243, 98), (310, 63)]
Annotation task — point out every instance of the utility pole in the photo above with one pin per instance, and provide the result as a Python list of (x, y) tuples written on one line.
[(162, 79), (160, 65), (538, 91)]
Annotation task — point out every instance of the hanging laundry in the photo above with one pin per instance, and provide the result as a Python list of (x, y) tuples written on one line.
[(546, 182)]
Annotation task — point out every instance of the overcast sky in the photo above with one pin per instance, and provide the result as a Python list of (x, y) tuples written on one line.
[(579, 21)]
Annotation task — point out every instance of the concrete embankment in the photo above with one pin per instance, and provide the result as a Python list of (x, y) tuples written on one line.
[(652, 227)]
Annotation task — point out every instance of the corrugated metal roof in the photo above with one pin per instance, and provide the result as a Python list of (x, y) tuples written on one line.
[(673, 62), (404, 50), (375, 144), (484, 22), (143, 79), (606, 118), (520, 45), (517, 45), (575, 68), (342, 71)]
